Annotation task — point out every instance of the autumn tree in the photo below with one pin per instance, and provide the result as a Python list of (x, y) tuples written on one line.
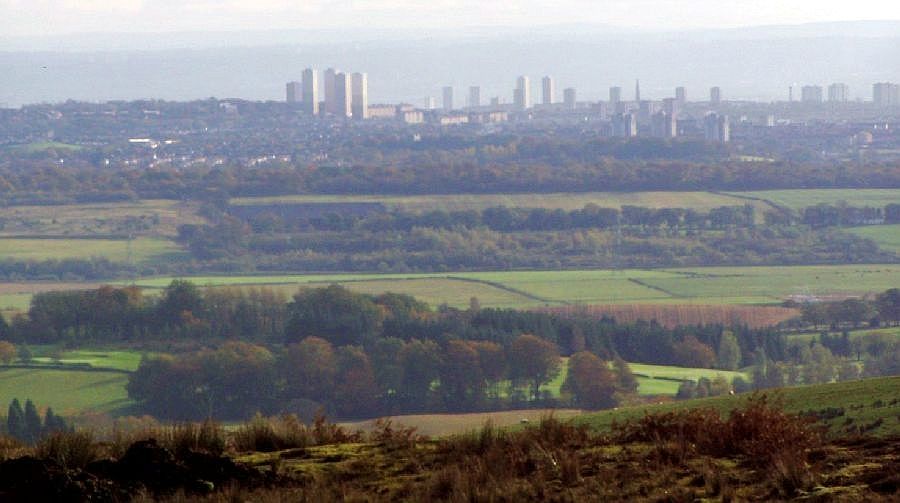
[(532, 361), (591, 382), (308, 368), (690, 352), (8, 352), (462, 382), (355, 390)]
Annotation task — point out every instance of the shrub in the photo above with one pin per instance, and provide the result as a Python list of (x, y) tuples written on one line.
[(69, 449)]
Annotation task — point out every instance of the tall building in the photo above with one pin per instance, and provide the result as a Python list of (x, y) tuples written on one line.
[(474, 96), (716, 128), (886, 94), (311, 91), (293, 92), (569, 98), (547, 97), (811, 94), (328, 86), (839, 93), (672, 107), (637, 90), (430, 103), (343, 95), (448, 98), (715, 95), (360, 94), (615, 95), (624, 125), (664, 125), (681, 95), (522, 94), (646, 109)]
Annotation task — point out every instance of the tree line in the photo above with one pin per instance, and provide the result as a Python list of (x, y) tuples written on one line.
[(184, 312), (390, 376), (884, 308), (282, 218)]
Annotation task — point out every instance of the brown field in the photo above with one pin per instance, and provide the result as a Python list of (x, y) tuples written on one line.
[(673, 315), (438, 425)]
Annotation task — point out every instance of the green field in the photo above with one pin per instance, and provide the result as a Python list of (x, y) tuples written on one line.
[(890, 332), (40, 146), (652, 380), (69, 392), (887, 237), (801, 198), (98, 358), (566, 201), (142, 250), (710, 285), (858, 398)]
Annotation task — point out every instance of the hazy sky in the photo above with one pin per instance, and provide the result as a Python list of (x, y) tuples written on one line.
[(49, 17)]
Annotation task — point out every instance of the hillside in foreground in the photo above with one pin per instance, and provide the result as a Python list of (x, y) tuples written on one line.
[(688, 452)]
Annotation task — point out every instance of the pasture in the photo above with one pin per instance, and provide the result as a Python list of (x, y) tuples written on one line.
[(69, 392), (524, 289), (122, 360), (801, 198), (887, 237), (140, 250)]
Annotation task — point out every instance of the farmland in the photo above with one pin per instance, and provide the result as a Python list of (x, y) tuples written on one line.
[(706, 285), (152, 218), (69, 392), (886, 237), (801, 198), (140, 250)]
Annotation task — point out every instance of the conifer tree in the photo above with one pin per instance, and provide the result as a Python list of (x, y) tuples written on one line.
[(15, 420), (32, 423)]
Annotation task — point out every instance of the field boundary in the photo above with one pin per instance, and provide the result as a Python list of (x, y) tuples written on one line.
[(510, 289), (657, 288), (70, 367)]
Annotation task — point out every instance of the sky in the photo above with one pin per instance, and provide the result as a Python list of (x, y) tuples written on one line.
[(58, 17)]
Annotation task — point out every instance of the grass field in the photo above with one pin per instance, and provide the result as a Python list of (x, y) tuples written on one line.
[(710, 285), (97, 358), (891, 332), (860, 400), (40, 146), (887, 237), (802, 198), (69, 392), (566, 201), (143, 250), (156, 218), (653, 380)]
